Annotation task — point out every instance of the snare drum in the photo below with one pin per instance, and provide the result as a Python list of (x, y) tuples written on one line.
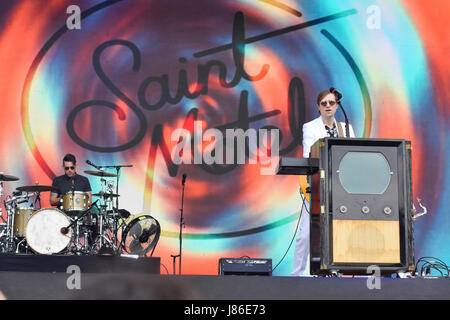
[(43, 231), (75, 201), (21, 217)]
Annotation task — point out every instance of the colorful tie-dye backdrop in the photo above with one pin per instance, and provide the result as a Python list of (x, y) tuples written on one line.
[(98, 92)]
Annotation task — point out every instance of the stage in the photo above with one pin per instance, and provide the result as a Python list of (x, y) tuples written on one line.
[(125, 278)]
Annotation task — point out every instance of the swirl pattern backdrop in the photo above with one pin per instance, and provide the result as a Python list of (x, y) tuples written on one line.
[(115, 90)]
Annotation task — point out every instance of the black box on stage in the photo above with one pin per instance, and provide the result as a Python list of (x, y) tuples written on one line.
[(361, 206), (245, 266)]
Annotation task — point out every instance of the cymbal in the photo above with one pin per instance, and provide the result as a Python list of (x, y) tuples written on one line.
[(105, 194), (37, 188), (5, 177), (100, 173)]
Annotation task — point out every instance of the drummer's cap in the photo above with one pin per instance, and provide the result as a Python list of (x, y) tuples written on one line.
[(70, 158)]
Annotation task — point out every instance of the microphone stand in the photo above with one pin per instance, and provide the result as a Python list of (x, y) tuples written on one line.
[(338, 97), (347, 129), (181, 230)]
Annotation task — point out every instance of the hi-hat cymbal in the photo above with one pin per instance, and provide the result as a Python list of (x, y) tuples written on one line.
[(100, 173), (6, 177), (105, 195), (37, 188)]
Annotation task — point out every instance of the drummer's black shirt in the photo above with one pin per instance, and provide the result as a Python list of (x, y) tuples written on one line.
[(66, 184)]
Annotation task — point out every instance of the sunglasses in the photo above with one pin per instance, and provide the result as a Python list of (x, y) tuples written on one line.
[(71, 168), (330, 102)]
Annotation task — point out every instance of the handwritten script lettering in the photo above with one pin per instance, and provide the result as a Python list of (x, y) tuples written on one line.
[(162, 97)]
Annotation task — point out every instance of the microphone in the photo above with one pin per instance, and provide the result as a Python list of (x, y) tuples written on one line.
[(336, 93), (91, 164), (338, 96), (184, 179), (64, 230)]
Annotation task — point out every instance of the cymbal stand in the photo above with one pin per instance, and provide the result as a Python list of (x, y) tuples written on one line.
[(8, 231), (11, 206), (10, 210), (118, 167), (116, 209), (76, 227), (84, 248), (1, 194), (103, 238)]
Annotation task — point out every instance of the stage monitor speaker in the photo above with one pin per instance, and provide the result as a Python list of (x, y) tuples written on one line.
[(245, 266), (361, 204)]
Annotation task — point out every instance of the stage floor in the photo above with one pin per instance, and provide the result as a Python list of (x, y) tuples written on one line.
[(57, 286), (38, 277)]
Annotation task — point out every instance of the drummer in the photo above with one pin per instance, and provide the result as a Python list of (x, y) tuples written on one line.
[(69, 181)]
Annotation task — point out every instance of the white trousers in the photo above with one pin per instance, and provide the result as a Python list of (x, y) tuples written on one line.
[(301, 252)]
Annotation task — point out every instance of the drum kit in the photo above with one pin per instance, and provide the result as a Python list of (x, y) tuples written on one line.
[(75, 226)]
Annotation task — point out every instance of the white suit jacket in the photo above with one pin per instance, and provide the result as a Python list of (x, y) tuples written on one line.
[(315, 130)]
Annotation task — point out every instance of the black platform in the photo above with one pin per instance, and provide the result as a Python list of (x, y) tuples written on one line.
[(87, 264), (40, 277), (95, 286)]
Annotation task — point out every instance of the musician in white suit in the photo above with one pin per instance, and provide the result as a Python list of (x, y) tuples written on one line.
[(323, 126)]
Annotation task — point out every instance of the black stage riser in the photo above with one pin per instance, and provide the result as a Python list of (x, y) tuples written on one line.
[(60, 286), (86, 264)]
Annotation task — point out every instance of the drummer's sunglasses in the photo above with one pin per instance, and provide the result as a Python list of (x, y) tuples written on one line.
[(67, 168)]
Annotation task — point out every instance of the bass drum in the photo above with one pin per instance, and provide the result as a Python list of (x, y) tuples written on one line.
[(43, 231)]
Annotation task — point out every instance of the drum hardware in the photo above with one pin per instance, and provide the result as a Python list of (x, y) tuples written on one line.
[(118, 167), (3, 237), (105, 174), (107, 237), (106, 196), (65, 230), (22, 246), (5, 177), (92, 239), (107, 199), (83, 231), (10, 205)]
